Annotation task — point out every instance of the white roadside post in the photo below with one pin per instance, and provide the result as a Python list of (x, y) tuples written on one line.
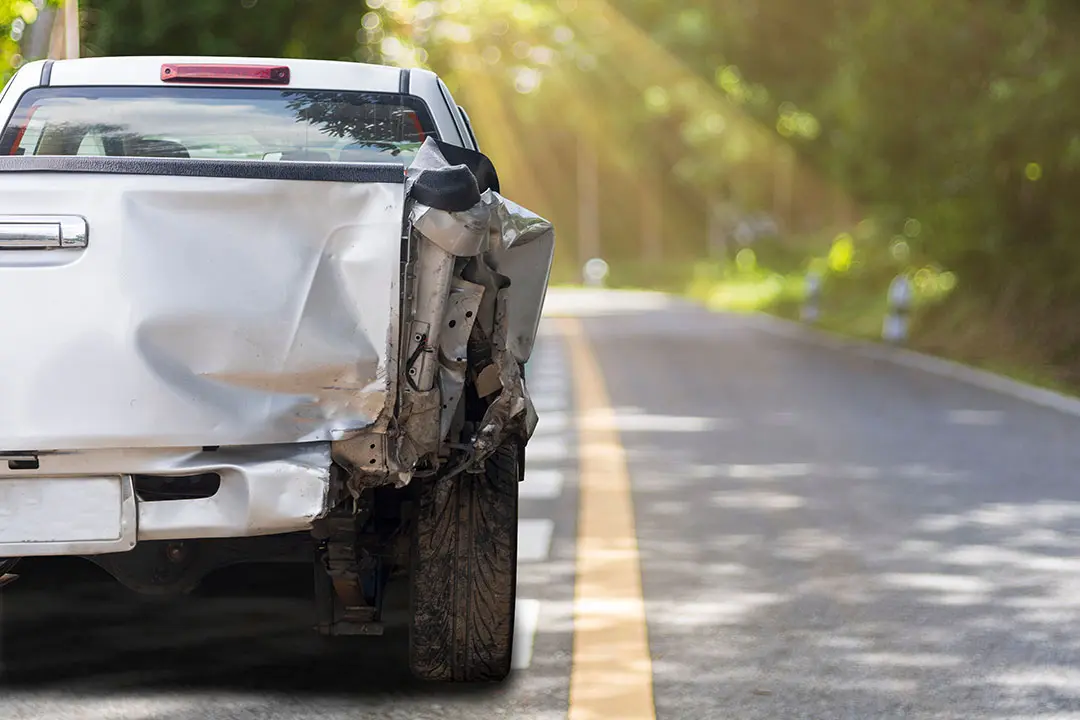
[(895, 328), (810, 307), (36, 39), (595, 272), (71, 29)]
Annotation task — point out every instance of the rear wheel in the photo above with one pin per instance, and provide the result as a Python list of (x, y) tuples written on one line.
[(464, 573)]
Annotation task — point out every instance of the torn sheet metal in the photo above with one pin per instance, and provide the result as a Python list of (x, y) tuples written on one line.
[(524, 255), (463, 234), (503, 255), (204, 311), (460, 317), (518, 244), (513, 408)]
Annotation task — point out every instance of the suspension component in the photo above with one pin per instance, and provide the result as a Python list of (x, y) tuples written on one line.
[(348, 579)]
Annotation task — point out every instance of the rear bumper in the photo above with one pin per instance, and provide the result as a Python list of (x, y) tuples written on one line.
[(264, 490)]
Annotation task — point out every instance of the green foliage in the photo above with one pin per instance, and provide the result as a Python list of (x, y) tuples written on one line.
[(15, 16), (266, 28)]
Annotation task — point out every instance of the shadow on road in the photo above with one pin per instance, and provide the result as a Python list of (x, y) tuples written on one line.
[(67, 625)]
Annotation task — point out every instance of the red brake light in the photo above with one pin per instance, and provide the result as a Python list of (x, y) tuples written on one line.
[(240, 74)]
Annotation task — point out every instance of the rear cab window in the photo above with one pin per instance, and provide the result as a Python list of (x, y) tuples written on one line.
[(218, 123)]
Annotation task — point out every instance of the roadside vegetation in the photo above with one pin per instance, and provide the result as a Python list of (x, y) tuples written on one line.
[(772, 277)]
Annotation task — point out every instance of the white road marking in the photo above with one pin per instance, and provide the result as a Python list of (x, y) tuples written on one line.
[(525, 624), (550, 366), (571, 302), (547, 403), (534, 539), (976, 417), (541, 484), (552, 423), (546, 449), (549, 388), (556, 392), (638, 422)]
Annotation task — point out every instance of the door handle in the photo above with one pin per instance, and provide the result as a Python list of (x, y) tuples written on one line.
[(43, 232)]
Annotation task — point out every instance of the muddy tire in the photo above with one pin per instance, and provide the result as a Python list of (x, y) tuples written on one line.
[(463, 573)]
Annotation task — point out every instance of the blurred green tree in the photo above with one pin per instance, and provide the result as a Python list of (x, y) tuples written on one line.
[(267, 28), (15, 17)]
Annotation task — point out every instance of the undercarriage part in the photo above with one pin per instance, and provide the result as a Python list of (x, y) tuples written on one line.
[(347, 581), (176, 567), (354, 556), (6, 566)]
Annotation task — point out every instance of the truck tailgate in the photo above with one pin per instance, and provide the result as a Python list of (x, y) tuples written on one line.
[(203, 310)]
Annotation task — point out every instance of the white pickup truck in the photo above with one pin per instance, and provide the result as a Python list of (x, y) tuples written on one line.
[(265, 309)]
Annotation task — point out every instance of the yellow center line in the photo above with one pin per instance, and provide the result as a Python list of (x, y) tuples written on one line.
[(612, 669)]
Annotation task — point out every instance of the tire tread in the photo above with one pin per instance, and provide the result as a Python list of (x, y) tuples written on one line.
[(464, 574)]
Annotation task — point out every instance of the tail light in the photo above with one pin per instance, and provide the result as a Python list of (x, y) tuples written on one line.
[(226, 74)]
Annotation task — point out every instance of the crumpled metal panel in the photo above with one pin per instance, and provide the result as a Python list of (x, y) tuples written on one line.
[(458, 323), (518, 244), (204, 311), (514, 402), (264, 490), (463, 234), (507, 253), (524, 253), (513, 226)]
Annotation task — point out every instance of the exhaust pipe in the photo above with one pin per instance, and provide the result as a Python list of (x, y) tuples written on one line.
[(6, 564)]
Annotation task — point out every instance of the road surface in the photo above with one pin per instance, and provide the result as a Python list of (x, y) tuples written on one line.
[(815, 534)]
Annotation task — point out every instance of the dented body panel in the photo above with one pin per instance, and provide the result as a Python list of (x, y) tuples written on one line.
[(203, 311)]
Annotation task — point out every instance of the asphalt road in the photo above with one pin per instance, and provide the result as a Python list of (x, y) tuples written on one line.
[(821, 535)]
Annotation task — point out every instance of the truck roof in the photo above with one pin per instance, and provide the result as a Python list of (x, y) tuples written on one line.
[(306, 74)]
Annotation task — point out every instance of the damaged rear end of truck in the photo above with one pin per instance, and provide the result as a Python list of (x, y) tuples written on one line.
[(245, 323)]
